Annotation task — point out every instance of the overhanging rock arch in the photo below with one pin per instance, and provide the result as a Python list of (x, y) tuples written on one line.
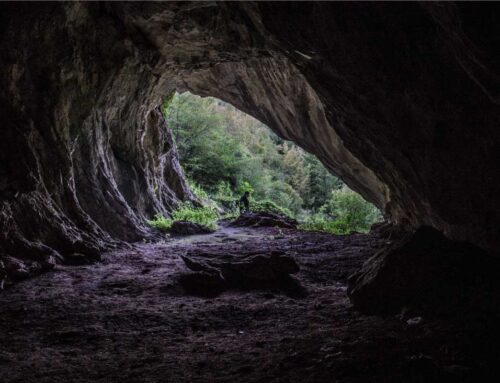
[(399, 100), (274, 91)]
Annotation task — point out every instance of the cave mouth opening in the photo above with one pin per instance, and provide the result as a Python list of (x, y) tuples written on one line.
[(225, 153)]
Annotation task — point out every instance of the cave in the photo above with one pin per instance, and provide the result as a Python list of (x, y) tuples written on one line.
[(400, 100)]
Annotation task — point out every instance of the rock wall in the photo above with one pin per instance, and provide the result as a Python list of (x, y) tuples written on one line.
[(412, 91), (85, 154), (400, 100), (274, 91)]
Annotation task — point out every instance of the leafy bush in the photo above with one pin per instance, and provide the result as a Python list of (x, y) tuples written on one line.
[(284, 196), (351, 210), (318, 222), (225, 198), (161, 223), (206, 216), (245, 186), (203, 196), (345, 212), (230, 215), (224, 191), (267, 205), (197, 190)]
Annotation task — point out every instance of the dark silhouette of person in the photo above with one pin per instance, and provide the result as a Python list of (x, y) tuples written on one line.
[(245, 202)]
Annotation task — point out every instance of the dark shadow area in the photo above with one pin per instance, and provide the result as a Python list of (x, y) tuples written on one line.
[(428, 273)]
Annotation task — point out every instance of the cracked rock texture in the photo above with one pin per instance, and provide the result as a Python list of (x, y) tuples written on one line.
[(400, 100)]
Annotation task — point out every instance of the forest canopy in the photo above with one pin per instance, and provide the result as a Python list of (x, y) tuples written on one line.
[(225, 152)]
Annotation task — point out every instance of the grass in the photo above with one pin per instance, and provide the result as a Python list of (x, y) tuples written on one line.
[(161, 223), (206, 216)]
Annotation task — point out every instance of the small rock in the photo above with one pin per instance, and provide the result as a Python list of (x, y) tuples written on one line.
[(414, 321), (216, 272), (15, 268)]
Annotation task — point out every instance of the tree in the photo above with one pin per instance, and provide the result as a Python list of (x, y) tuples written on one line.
[(350, 211), (225, 152)]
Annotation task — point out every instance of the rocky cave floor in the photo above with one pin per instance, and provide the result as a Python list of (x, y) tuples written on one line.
[(126, 319)]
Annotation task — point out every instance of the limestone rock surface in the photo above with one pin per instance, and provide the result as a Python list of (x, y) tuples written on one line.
[(214, 273), (426, 271), (400, 100)]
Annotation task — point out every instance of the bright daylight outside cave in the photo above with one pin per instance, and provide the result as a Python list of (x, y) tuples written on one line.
[(226, 153), (249, 192)]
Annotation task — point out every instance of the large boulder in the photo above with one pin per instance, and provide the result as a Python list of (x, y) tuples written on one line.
[(423, 270), (214, 273)]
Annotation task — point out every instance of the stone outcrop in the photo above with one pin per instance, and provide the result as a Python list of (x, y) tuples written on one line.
[(400, 100), (426, 271), (215, 273), (85, 156)]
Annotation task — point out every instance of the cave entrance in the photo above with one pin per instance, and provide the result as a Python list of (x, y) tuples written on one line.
[(225, 153)]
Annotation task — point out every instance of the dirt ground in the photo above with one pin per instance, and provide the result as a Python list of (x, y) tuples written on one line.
[(126, 319)]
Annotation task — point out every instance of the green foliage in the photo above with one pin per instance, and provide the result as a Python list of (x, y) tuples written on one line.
[(244, 186), (318, 222), (230, 215), (350, 208), (219, 145), (206, 216), (224, 190), (321, 183), (207, 153), (225, 152), (267, 205), (197, 190), (345, 212), (283, 194), (168, 101), (161, 223), (226, 199)]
